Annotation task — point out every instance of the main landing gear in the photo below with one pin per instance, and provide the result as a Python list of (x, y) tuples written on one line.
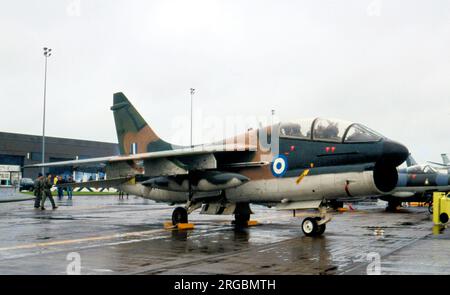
[(241, 219), (393, 206), (242, 215), (179, 215)]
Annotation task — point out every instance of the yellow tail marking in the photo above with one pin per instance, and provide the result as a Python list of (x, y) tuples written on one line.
[(300, 178)]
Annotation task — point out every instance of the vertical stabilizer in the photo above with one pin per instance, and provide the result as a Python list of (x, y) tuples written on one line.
[(133, 133)]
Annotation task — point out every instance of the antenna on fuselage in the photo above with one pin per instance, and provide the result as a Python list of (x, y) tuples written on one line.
[(271, 118)]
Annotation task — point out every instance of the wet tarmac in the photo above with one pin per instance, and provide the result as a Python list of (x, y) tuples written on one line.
[(115, 236), (12, 194)]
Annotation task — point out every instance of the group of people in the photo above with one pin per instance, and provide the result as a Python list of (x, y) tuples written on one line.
[(60, 180), (42, 189)]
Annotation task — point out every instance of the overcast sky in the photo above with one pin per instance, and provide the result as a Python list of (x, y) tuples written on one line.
[(385, 64)]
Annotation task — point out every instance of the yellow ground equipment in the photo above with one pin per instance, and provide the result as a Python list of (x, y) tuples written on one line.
[(418, 204), (441, 207), (180, 226)]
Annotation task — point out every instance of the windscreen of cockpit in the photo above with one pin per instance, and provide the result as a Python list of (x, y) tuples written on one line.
[(299, 129), (329, 130), (360, 133)]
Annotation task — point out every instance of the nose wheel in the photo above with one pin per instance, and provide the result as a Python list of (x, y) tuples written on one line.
[(312, 228), (179, 215)]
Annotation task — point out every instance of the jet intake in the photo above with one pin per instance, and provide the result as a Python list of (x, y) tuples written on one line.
[(385, 172), (385, 177)]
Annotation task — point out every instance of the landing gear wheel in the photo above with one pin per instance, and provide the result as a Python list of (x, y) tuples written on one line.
[(179, 215), (392, 206), (320, 228), (310, 227), (241, 219)]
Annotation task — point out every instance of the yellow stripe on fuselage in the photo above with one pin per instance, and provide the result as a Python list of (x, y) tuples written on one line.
[(300, 178)]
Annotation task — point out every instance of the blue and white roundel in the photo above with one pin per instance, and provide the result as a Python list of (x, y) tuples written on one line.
[(279, 166)]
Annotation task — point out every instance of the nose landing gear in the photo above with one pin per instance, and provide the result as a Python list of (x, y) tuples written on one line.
[(315, 225), (312, 228)]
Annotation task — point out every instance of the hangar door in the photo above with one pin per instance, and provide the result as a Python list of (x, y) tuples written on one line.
[(11, 160)]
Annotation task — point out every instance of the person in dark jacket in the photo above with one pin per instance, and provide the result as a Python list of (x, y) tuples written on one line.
[(38, 190), (59, 188), (47, 192)]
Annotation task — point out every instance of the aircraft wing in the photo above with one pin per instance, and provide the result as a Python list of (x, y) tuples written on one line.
[(106, 183), (161, 163), (185, 152), (92, 162)]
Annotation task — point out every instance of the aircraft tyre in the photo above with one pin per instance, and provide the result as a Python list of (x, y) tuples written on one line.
[(179, 215), (320, 228), (392, 206), (241, 219), (310, 227)]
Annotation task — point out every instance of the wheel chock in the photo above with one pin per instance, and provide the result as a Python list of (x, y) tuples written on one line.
[(185, 226), (252, 223), (180, 226), (168, 225)]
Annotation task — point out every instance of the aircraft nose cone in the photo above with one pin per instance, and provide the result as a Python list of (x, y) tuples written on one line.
[(394, 152)]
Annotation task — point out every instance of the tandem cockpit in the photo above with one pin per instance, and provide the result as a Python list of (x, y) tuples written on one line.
[(332, 130), (421, 169)]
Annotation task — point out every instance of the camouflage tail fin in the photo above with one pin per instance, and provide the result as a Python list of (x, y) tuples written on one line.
[(134, 134), (445, 159)]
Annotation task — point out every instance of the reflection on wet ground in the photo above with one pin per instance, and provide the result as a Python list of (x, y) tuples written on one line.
[(127, 237)]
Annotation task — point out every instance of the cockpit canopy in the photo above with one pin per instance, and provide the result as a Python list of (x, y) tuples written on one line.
[(421, 169), (328, 130)]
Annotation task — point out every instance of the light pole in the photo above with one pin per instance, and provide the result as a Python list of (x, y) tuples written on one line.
[(192, 98), (47, 54)]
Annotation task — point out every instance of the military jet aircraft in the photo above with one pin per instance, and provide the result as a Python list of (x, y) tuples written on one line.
[(445, 162), (293, 165), (416, 183)]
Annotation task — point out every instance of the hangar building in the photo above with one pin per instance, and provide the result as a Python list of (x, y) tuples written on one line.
[(22, 149)]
